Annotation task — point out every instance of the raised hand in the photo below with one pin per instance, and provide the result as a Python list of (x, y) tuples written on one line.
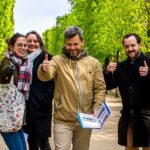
[(45, 64), (111, 67), (143, 70), (46, 57)]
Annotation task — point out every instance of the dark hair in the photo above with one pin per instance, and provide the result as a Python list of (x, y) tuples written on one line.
[(14, 38), (38, 38), (131, 34), (72, 31)]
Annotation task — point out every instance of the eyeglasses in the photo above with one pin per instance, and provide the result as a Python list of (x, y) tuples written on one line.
[(20, 45)]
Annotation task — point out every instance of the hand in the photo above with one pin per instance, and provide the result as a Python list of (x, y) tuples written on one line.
[(10, 70), (45, 64), (143, 70), (111, 67), (94, 113)]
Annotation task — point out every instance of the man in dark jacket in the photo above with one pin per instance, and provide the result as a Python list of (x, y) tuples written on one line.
[(132, 76)]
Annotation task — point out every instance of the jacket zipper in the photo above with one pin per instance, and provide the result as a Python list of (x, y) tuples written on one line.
[(79, 87)]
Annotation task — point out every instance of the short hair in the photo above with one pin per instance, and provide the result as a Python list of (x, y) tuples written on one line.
[(137, 37), (72, 31)]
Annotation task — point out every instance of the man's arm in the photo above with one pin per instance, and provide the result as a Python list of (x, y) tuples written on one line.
[(47, 70), (99, 87), (109, 75)]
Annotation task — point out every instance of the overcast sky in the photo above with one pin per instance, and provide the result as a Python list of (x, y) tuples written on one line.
[(38, 15)]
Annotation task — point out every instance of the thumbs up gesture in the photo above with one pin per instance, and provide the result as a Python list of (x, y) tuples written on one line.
[(111, 67), (143, 70), (45, 64), (46, 57)]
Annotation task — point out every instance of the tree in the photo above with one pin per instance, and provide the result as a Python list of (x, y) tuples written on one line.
[(147, 6), (104, 23), (6, 23)]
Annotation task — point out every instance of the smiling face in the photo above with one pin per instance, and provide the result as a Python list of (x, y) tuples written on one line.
[(74, 45), (132, 47), (32, 42), (20, 47)]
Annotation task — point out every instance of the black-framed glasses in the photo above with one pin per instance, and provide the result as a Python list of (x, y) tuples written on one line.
[(20, 45)]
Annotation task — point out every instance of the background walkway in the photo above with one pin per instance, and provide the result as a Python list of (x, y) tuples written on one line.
[(106, 138)]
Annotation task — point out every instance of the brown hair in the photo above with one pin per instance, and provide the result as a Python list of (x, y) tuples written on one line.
[(38, 38), (138, 39), (14, 38)]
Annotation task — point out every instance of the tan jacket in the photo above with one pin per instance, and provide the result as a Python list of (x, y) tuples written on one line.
[(79, 86)]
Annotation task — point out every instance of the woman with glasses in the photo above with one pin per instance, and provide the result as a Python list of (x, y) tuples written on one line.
[(15, 64), (39, 103)]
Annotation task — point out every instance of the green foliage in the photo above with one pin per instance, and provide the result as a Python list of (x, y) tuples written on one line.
[(104, 23), (6, 23)]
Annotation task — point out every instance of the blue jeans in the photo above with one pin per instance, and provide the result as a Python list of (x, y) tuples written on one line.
[(15, 140)]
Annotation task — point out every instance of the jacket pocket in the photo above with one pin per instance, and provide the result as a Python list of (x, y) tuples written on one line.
[(58, 103)]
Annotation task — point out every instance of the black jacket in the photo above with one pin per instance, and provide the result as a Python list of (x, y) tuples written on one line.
[(135, 94), (39, 104)]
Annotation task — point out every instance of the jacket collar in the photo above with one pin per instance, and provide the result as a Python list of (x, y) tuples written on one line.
[(141, 55)]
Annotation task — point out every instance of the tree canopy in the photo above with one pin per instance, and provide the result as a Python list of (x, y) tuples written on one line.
[(104, 23)]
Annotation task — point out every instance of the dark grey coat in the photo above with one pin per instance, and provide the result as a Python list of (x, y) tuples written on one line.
[(135, 94)]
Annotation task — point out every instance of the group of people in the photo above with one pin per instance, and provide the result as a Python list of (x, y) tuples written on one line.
[(76, 83), (28, 51)]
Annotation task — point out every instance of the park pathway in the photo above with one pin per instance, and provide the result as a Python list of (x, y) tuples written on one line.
[(106, 138)]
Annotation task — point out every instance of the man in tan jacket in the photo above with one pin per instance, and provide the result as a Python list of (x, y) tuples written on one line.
[(79, 87)]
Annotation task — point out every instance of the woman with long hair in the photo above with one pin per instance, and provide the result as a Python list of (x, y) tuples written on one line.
[(15, 64), (39, 103)]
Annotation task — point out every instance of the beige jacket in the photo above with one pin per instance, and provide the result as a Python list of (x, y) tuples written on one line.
[(79, 86)]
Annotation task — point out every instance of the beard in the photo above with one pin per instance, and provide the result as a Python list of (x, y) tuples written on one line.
[(133, 54), (73, 53)]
